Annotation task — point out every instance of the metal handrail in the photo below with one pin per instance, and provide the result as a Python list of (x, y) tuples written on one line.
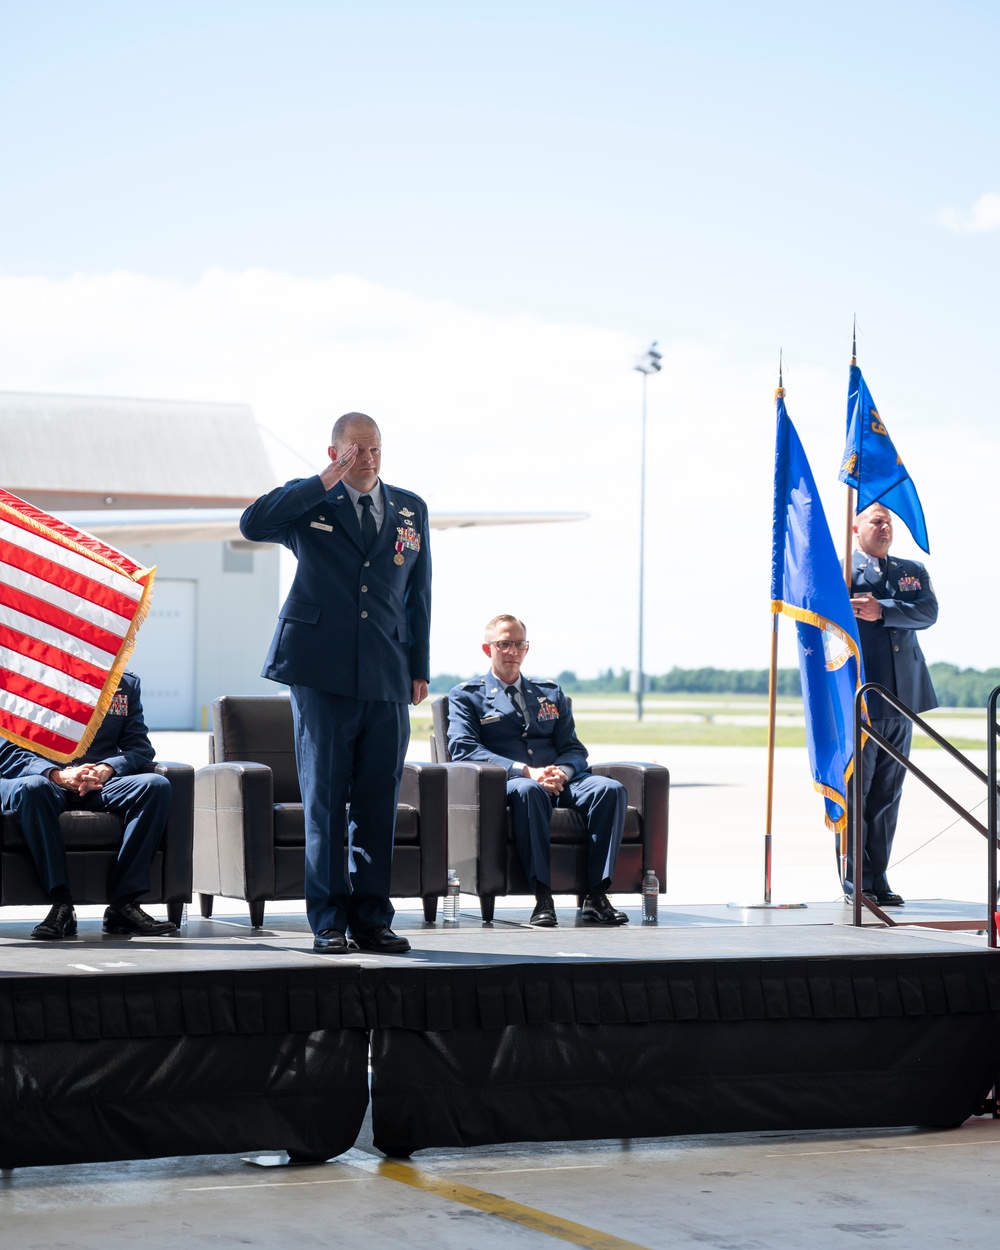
[(989, 779), (992, 733)]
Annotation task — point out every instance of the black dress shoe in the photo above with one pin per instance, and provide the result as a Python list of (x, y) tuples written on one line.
[(331, 942), (888, 898), (59, 923), (381, 941), (544, 915), (132, 920), (597, 909)]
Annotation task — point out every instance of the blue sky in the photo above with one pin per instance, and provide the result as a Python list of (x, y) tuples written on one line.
[(522, 196)]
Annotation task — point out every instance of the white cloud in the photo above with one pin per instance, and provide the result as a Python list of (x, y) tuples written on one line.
[(984, 215), (482, 411)]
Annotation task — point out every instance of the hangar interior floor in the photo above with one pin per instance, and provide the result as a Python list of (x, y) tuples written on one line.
[(771, 1191)]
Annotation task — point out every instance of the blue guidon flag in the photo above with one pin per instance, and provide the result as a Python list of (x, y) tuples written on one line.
[(807, 584), (70, 608), (872, 466)]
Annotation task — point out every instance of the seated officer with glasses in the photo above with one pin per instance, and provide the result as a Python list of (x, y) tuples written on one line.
[(527, 728)]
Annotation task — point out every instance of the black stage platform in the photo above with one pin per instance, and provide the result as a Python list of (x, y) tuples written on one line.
[(226, 1039)]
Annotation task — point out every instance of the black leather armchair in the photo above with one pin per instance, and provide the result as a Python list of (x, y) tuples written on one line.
[(249, 838), (481, 845), (92, 841)]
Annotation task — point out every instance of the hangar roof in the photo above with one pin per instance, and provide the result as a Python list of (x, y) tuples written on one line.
[(86, 451)]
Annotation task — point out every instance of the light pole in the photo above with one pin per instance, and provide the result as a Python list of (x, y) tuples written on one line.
[(648, 362)]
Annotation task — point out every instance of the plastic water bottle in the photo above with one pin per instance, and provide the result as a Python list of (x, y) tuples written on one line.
[(449, 912), (650, 896)]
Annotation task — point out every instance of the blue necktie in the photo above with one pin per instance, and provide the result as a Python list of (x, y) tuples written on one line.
[(369, 530), (511, 694)]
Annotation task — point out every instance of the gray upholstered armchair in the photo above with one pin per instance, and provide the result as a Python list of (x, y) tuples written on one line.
[(480, 841), (92, 841), (249, 839)]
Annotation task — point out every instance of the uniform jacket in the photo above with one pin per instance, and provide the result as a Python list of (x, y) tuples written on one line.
[(483, 724), (889, 647), (353, 624), (122, 740)]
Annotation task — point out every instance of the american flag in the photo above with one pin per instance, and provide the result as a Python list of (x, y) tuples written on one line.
[(70, 608)]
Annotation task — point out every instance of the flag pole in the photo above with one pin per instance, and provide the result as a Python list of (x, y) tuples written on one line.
[(848, 555), (849, 529), (772, 707), (772, 716)]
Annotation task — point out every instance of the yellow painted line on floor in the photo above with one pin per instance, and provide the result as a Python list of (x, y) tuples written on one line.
[(493, 1204)]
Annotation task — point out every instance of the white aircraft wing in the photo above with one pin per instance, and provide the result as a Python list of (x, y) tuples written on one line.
[(123, 528), (460, 520)]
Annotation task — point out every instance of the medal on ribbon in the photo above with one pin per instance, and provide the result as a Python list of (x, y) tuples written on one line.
[(407, 539)]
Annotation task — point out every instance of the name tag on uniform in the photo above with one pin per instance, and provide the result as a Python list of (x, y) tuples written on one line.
[(490, 720), (318, 525)]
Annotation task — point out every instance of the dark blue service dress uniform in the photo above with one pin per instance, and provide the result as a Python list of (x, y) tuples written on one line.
[(352, 637), (137, 794), (892, 657), (483, 724)]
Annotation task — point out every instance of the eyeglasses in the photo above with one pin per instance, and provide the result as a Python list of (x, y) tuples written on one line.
[(510, 646)]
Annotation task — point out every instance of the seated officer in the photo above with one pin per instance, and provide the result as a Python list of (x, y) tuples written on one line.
[(526, 726), (112, 776)]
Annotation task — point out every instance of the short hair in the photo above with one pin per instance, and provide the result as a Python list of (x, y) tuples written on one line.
[(871, 508), (342, 424), (504, 618)]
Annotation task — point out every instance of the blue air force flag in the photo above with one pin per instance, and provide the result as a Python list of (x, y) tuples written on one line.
[(872, 466), (807, 584)]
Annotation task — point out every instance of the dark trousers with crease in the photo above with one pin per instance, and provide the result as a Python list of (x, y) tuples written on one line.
[(881, 790), (141, 800), (349, 755), (602, 803)]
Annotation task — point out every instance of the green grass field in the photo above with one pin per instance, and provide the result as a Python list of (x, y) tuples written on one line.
[(715, 720)]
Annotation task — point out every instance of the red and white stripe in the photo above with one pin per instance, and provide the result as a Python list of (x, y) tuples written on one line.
[(69, 609)]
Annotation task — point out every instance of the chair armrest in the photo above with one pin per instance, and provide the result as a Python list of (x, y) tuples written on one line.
[(234, 830), (477, 825), (648, 788), (425, 787), (178, 836)]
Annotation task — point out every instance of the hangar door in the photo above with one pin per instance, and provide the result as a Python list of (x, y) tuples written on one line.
[(164, 655)]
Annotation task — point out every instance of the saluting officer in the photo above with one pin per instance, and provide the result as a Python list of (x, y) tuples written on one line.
[(526, 726), (353, 646)]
